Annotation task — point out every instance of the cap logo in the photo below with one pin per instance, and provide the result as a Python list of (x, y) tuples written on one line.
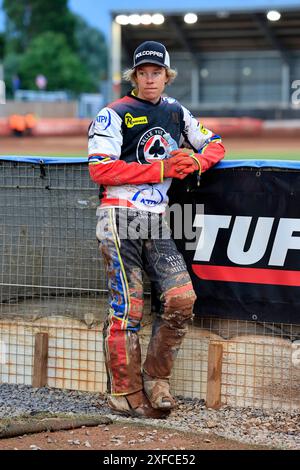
[(150, 53)]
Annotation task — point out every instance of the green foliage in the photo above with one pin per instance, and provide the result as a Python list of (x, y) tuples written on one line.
[(44, 37), (50, 55), (2, 44), (92, 50), (29, 18), (11, 65)]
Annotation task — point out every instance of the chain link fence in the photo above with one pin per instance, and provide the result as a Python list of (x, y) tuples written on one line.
[(52, 283)]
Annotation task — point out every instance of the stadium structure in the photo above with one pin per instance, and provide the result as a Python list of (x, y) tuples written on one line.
[(2, 86), (230, 62)]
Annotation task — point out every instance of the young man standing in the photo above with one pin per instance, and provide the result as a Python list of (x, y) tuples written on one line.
[(129, 157)]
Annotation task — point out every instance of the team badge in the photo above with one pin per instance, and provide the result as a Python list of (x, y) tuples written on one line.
[(152, 146)]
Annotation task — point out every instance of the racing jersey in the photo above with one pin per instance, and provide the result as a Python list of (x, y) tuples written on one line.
[(127, 146)]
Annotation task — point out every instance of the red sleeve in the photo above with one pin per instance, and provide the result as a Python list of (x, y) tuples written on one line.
[(118, 172), (212, 154)]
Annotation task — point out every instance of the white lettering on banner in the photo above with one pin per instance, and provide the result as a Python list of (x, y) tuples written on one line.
[(256, 251), (210, 225), (285, 241)]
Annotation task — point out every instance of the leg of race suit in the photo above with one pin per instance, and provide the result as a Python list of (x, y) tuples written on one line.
[(122, 259), (166, 268)]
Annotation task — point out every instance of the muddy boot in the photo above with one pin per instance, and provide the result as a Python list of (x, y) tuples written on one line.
[(158, 392), (135, 405)]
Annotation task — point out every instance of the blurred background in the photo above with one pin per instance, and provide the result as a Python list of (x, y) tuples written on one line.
[(238, 68)]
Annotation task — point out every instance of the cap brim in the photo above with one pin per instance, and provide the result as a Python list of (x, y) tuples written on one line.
[(150, 61)]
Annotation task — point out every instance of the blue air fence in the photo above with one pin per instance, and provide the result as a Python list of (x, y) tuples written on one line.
[(245, 266)]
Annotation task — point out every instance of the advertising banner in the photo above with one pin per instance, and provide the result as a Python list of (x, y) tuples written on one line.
[(244, 258)]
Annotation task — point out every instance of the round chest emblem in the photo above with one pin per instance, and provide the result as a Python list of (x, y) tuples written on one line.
[(152, 146)]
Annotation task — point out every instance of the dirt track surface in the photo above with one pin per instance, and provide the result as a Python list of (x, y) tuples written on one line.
[(122, 436), (77, 146), (44, 146)]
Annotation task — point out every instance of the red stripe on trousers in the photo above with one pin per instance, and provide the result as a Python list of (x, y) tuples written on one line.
[(117, 350)]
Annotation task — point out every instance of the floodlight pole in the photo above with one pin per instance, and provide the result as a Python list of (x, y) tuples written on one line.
[(195, 84), (115, 61), (2, 86), (285, 84)]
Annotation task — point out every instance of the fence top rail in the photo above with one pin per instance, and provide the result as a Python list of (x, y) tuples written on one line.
[(38, 160), (288, 164)]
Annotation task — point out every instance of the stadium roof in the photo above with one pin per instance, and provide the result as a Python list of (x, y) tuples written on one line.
[(219, 31)]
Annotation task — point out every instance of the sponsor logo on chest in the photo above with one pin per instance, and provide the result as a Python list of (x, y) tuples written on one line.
[(131, 121)]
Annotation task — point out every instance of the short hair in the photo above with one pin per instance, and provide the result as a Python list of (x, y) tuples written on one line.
[(129, 75)]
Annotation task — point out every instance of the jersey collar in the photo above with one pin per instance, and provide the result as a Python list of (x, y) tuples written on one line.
[(132, 94)]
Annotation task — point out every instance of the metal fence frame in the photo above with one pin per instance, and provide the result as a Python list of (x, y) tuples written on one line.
[(53, 300)]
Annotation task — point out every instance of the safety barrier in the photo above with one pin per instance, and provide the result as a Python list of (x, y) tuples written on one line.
[(73, 126), (53, 297)]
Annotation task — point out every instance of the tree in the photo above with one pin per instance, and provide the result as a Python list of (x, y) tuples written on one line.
[(2, 44), (50, 55), (27, 19), (92, 50), (11, 65), (44, 37)]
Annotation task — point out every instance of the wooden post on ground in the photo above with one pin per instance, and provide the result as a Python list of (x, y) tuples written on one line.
[(214, 375), (40, 364)]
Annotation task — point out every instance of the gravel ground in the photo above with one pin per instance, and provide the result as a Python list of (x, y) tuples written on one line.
[(252, 426)]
